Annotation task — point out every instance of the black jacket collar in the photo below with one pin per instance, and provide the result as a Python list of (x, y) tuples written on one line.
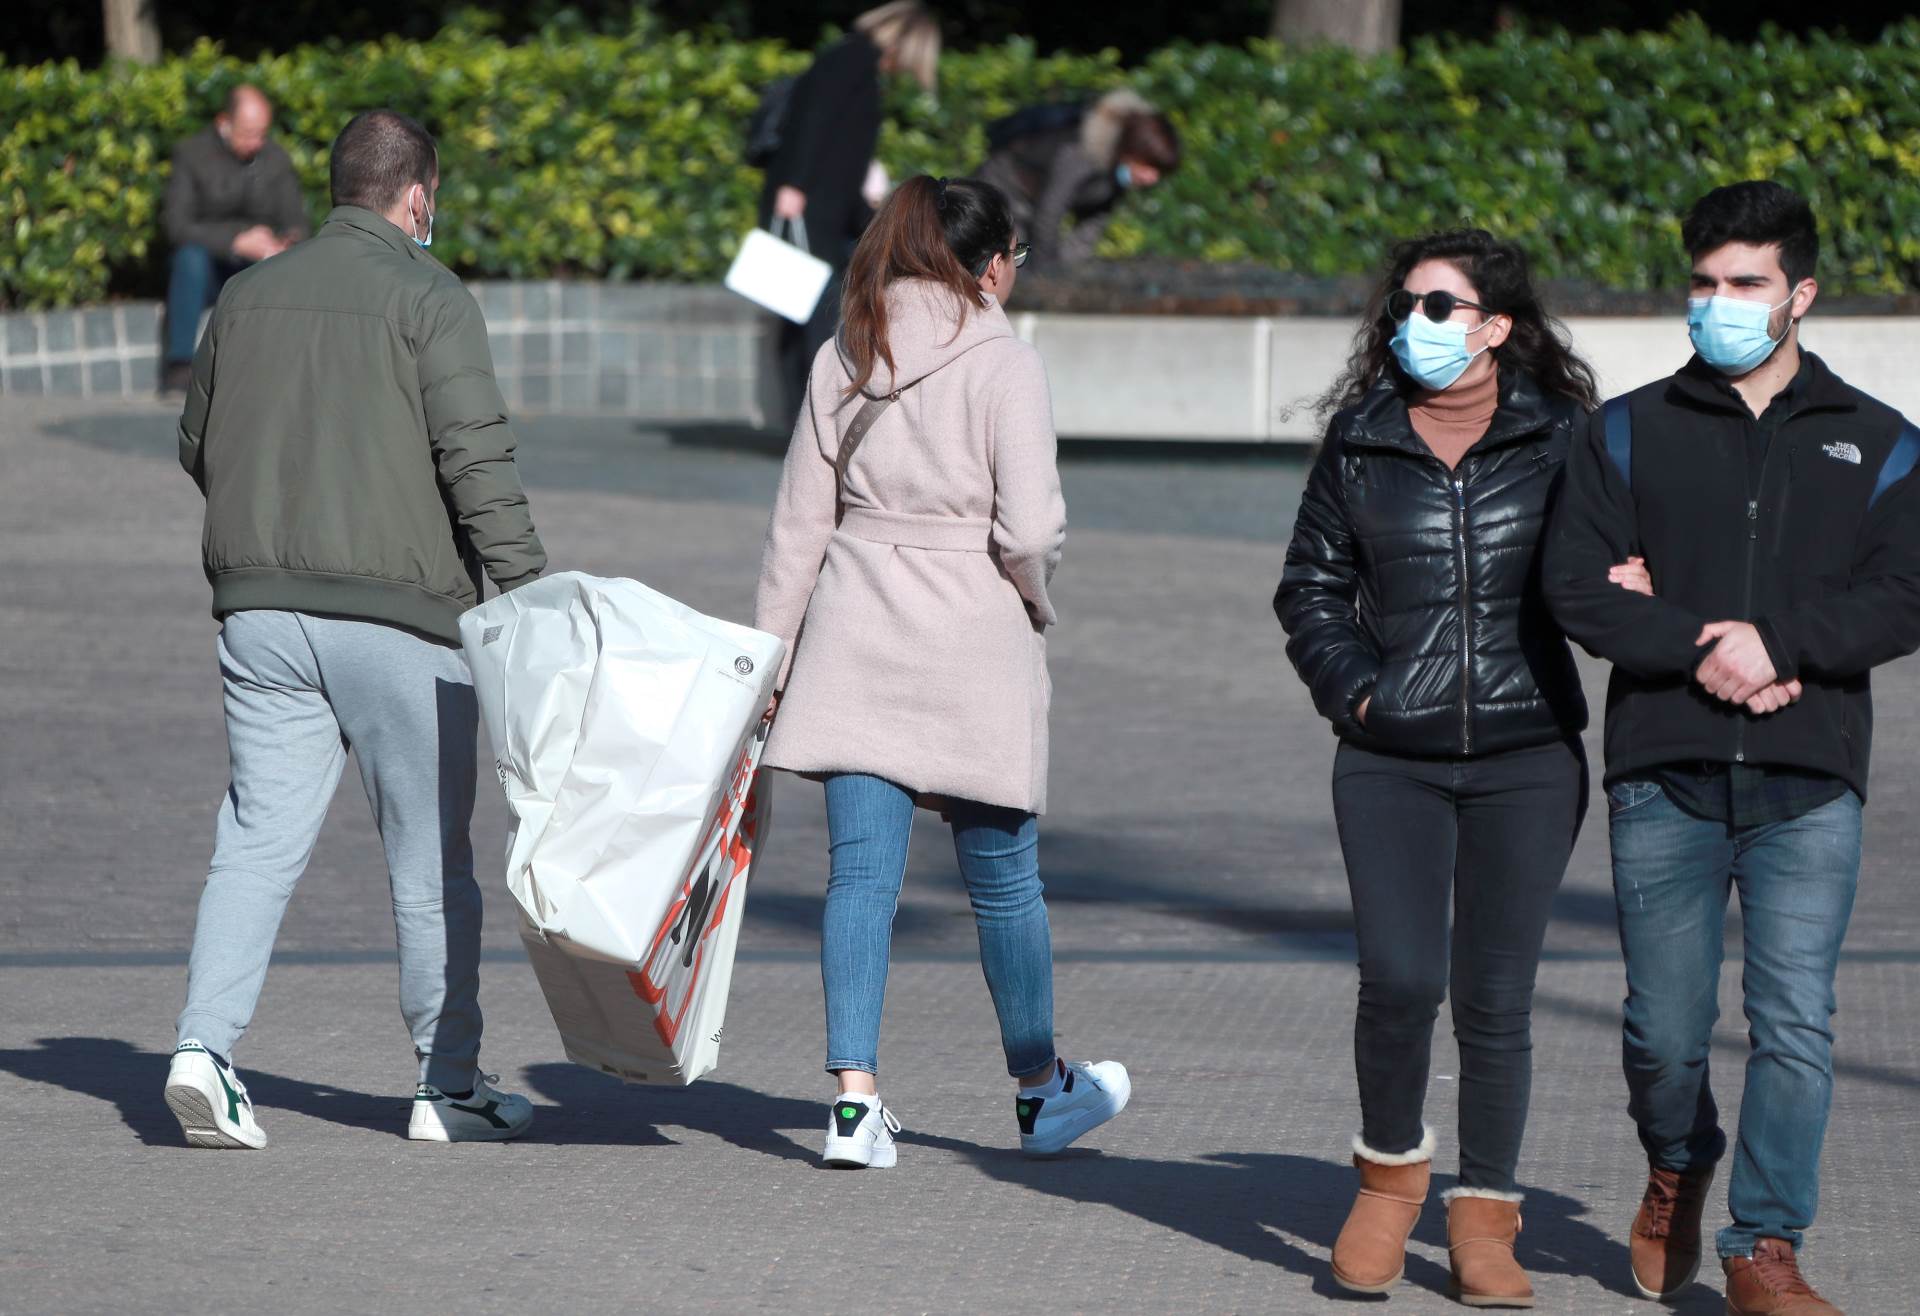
[(1380, 417), (1699, 386)]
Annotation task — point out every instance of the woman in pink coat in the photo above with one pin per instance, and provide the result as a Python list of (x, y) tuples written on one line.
[(911, 591)]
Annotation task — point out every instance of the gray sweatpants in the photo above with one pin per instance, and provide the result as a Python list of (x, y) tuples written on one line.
[(300, 692)]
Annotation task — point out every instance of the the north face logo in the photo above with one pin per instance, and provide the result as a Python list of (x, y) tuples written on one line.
[(491, 634), (1842, 452)]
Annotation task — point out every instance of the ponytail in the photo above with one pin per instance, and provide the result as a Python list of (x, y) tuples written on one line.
[(941, 230)]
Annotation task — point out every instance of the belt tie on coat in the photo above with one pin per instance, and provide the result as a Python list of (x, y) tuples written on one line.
[(951, 534)]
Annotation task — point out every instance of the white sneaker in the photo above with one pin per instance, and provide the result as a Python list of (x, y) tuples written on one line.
[(483, 1115), (210, 1101), (1089, 1096), (860, 1135)]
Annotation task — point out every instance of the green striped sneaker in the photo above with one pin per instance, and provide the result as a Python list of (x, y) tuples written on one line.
[(482, 1115), (210, 1101)]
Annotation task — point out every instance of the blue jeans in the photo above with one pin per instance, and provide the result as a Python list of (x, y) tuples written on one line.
[(197, 277), (1671, 876), (869, 822)]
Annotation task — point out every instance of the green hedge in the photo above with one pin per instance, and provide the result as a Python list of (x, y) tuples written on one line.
[(618, 157)]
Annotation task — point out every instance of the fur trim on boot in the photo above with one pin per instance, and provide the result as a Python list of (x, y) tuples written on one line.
[(1424, 1152), (1489, 1194)]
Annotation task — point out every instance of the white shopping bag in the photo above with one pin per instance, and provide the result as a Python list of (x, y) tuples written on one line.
[(661, 1022), (627, 730), (776, 274)]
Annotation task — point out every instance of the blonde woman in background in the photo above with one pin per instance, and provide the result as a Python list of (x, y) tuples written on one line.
[(812, 195)]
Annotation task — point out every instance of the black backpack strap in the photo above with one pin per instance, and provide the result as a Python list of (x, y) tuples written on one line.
[(1900, 461), (1619, 423)]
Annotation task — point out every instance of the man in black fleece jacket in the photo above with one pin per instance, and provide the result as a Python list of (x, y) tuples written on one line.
[(1773, 529)]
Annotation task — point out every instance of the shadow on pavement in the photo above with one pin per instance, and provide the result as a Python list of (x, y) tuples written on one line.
[(131, 1079), (585, 1108), (1271, 1208), (597, 1110)]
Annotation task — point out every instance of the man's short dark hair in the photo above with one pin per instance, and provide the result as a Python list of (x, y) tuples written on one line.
[(377, 157), (1760, 213)]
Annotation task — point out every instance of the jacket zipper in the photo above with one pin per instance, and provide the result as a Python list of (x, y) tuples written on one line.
[(1466, 618), (1753, 540)]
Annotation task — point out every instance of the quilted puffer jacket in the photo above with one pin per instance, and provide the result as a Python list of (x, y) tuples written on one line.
[(1420, 588)]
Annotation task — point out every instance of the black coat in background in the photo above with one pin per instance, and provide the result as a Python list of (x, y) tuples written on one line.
[(826, 144), (1420, 587)]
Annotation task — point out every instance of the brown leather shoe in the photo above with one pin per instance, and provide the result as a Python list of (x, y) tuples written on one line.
[(1480, 1235), (1769, 1283), (1371, 1252), (1665, 1244)]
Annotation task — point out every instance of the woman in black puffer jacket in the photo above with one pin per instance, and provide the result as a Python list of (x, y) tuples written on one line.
[(1413, 610)]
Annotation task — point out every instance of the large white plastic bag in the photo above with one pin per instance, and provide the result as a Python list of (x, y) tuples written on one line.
[(661, 1021), (617, 717)]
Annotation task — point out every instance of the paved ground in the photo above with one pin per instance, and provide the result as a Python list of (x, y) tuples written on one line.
[(1198, 907)]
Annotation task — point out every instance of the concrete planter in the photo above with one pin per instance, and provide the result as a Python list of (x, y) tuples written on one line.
[(672, 352)]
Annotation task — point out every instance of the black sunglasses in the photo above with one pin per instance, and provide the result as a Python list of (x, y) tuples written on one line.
[(1440, 305), (1018, 256)]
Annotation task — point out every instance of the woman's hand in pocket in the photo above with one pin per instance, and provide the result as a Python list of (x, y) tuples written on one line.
[(1360, 713)]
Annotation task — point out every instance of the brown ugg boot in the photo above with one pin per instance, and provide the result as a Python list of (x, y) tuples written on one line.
[(1371, 1252), (1481, 1228), (1665, 1244)]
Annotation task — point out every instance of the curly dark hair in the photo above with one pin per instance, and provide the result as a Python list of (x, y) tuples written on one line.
[(1538, 345)]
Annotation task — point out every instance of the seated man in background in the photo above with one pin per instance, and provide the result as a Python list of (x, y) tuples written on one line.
[(233, 199), (1070, 166)]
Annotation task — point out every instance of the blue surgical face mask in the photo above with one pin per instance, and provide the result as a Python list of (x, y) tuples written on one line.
[(1123, 174), (428, 240), (1730, 333), (1433, 355)]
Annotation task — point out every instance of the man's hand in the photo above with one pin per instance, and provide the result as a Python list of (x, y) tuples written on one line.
[(1774, 698), (256, 243), (789, 203), (1738, 668), (1632, 574)]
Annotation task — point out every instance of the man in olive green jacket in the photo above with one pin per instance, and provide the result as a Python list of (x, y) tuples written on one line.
[(345, 427)]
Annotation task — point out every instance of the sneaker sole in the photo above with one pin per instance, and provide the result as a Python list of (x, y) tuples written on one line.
[(440, 1133), (195, 1113), (1652, 1296), (847, 1156), (1090, 1120)]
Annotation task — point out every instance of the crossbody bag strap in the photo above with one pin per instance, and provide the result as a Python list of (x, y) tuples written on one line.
[(850, 444)]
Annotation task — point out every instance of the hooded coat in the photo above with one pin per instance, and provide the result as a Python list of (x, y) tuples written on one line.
[(916, 627)]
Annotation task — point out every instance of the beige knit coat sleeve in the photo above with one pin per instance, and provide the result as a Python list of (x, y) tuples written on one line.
[(802, 524), (1029, 511)]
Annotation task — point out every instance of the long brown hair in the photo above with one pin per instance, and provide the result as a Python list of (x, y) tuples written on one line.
[(939, 229)]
